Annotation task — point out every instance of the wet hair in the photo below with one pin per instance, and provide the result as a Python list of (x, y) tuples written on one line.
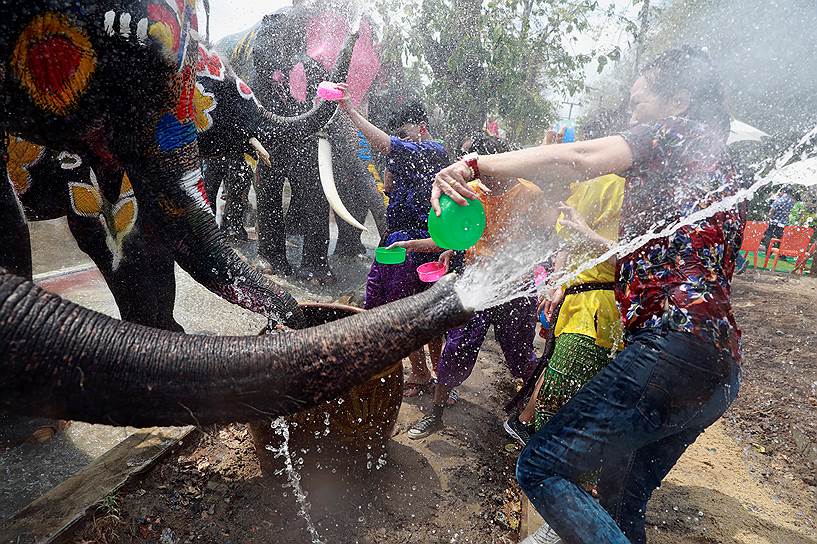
[(483, 143), (690, 69), (412, 112)]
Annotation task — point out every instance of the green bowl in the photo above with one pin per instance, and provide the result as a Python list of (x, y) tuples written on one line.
[(457, 227), (395, 255)]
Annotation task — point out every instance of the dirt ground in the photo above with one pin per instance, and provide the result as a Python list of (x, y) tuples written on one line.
[(748, 480)]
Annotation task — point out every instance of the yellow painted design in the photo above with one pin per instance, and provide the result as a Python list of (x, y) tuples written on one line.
[(117, 220), (22, 155), (48, 77), (203, 103), (127, 188), (85, 199), (162, 34), (124, 216), (252, 161)]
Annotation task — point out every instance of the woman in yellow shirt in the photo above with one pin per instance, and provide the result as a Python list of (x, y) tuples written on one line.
[(588, 328)]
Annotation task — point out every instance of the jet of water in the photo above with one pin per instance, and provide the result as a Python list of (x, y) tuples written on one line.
[(491, 281)]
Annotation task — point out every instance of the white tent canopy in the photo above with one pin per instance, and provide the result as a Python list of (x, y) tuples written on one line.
[(740, 131)]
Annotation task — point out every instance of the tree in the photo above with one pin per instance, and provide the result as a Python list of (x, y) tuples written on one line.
[(498, 58)]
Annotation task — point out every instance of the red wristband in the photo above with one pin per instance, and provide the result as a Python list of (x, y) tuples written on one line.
[(471, 162)]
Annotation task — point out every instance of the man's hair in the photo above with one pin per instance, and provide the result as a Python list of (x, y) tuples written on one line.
[(411, 112), (690, 69), (483, 143)]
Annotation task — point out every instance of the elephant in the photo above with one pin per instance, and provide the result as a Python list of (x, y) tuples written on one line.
[(284, 57), (116, 87), (129, 248)]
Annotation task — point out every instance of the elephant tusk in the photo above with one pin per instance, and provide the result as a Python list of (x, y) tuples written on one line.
[(328, 184), (263, 154)]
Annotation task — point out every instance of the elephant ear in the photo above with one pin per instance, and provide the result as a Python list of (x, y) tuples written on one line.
[(85, 199)]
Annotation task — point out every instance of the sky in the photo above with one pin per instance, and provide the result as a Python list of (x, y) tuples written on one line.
[(231, 16)]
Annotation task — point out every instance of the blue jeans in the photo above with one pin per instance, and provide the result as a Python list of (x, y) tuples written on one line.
[(633, 421)]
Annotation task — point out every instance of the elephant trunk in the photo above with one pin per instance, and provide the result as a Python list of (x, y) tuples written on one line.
[(67, 362), (307, 124)]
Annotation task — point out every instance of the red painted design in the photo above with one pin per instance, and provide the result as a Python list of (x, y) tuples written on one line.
[(202, 192), (52, 62), (185, 110), (209, 64), (244, 89)]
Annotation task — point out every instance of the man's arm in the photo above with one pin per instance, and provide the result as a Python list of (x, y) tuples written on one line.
[(377, 138)]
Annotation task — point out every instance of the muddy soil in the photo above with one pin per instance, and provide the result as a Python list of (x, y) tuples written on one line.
[(747, 480)]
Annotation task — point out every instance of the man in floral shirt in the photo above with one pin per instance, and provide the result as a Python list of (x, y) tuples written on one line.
[(679, 371), (680, 282)]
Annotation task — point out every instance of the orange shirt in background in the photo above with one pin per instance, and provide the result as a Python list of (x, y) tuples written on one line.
[(517, 215)]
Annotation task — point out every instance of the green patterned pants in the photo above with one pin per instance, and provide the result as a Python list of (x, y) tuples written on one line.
[(576, 359)]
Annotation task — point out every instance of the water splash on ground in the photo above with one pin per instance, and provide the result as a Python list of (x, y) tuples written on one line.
[(281, 427)]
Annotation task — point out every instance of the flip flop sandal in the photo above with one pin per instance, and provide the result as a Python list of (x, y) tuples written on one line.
[(414, 389), (453, 397)]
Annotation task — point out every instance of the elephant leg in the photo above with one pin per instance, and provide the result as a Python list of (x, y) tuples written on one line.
[(314, 262), (141, 280), (15, 241), (349, 244), (236, 182), (269, 190)]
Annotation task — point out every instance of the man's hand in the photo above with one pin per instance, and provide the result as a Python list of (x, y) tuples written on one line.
[(346, 101), (452, 181), (445, 258), (548, 303)]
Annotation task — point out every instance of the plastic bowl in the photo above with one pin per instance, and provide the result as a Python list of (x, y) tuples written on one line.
[(395, 255), (328, 91), (431, 272), (457, 227)]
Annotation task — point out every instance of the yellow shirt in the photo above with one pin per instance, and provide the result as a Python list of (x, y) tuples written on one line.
[(515, 214), (594, 313)]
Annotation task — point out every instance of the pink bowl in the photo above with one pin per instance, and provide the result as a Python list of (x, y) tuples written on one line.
[(328, 91), (431, 272)]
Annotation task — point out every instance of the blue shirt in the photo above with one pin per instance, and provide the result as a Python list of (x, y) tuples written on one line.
[(413, 166), (780, 210)]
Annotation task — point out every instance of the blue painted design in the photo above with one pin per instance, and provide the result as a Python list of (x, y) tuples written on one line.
[(171, 134), (364, 151)]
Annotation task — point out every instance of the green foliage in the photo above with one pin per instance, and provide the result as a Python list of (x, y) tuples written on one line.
[(500, 58)]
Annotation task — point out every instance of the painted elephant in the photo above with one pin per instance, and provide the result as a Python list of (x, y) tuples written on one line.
[(284, 57), (131, 250), (117, 87)]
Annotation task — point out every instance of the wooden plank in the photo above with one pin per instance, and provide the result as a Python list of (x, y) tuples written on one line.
[(50, 515), (530, 520)]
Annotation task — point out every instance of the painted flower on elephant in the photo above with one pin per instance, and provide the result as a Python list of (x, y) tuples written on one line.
[(116, 219), (203, 104), (54, 60), (22, 155), (209, 64), (244, 90), (171, 22)]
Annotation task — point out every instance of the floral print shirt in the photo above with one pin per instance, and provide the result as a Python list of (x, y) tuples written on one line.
[(680, 281)]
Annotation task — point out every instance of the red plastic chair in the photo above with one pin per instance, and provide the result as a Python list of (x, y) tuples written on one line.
[(800, 267), (753, 234), (793, 244)]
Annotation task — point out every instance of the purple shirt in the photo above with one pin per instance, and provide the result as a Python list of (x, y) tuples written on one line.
[(413, 166)]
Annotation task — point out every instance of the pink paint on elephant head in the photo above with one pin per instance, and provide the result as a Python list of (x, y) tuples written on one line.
[(325, 35), (297, 82)]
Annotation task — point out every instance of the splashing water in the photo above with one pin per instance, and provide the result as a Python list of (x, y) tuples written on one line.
[(491, 281), (281, 428)]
